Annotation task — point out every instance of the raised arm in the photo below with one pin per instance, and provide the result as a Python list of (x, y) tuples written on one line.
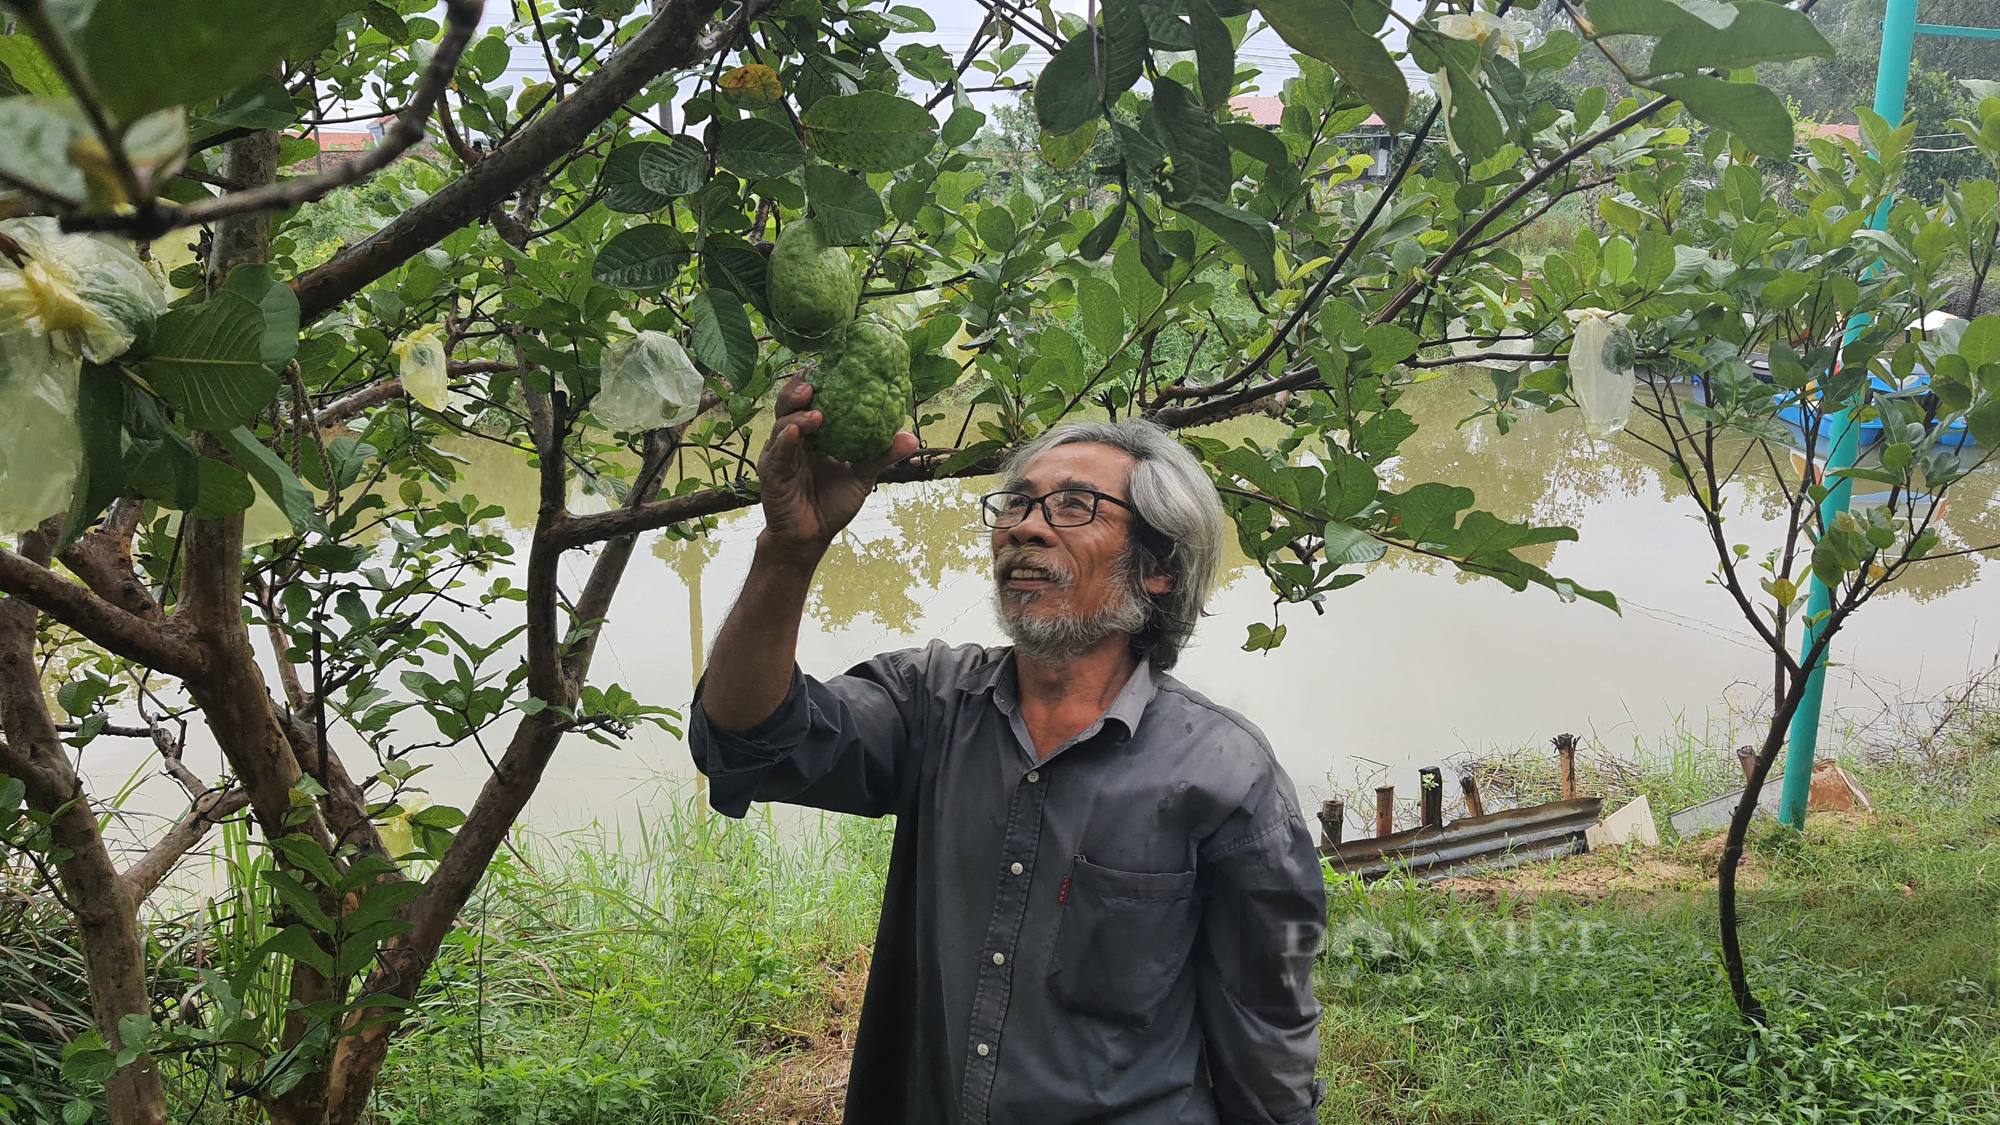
[(807, 500)]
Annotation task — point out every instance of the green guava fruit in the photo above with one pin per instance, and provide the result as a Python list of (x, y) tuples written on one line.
[(812, 286), (862, 387)]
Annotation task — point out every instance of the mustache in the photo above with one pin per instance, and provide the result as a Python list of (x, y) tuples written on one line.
[(1025, 556)]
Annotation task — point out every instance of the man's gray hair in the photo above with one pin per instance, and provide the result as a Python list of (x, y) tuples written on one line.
[(1177, 532)]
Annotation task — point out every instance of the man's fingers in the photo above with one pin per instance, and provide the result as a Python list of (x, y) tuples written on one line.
[(794, 396), (901, 448)]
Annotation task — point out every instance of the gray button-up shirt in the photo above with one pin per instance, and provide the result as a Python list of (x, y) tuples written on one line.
[(1121, 933)]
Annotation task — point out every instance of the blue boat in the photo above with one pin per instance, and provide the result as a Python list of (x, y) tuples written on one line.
[(1917, 386)]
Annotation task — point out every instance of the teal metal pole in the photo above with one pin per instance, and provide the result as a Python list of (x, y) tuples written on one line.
[(1892, 83)]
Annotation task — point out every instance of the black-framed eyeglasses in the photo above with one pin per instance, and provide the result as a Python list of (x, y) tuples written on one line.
[(1064, 507)]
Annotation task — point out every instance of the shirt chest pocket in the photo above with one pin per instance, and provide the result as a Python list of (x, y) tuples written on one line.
[(1122, 938)]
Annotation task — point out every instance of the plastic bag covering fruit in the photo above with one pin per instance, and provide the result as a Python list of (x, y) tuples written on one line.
[(87, 295), (812, 286), (40, 448), (1601, 361), (420, 364), (646, 382), (862, 388)]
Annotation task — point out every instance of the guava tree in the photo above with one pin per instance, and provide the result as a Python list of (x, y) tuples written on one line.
[(632, 188), (1819, 274)]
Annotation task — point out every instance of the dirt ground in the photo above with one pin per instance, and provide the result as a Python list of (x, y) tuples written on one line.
[(806, 1083)]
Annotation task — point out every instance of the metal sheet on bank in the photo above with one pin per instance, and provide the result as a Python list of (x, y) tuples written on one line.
[(1497, 840)]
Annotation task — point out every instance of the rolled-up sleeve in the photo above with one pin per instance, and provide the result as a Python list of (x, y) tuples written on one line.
[(839, 744), (1264, 911)]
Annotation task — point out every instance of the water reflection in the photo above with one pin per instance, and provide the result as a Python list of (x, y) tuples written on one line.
[(1403, 669)]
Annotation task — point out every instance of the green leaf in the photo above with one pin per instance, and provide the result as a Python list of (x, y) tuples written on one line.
[(1263, 638), (1351, 483), (305, 853), (1103, 314), (297, 943), (1256, 142), (723, 338), (1066, 92), (224, 491), (1123, 56), (961, 126), (292, 892), (871, 131), (642, 257), (1214, 54), (1201, 166), (1556, 51), (100, 418), (757, 149), (1062, 152), (1984, 423), (264, 103), (1429, 512), (144, 55), (624, 190), (1752, 112), (1658, 17), (1761, 32), (280, 306), (1098, 241), (1347, 546), (673, 168), (27, 69), (35, 135), (275, 478), (207, 360), (737, 268), (848, 209), (1250, 234), (1325, 29), (1980, 343)]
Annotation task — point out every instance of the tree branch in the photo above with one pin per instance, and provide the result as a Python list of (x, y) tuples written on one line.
[(164, 645), (143, 876), (672, 39), (156, 218)]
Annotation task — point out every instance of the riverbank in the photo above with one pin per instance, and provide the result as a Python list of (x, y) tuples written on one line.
[(711, 970)]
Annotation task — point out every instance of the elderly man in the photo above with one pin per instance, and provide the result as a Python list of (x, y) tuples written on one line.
[(1102, 903)]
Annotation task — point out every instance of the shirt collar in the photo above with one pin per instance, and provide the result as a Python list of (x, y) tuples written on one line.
[(997, 676)]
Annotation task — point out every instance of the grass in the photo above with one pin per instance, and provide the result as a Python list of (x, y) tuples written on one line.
[(634, 977), (681, 970), (1873, 943)]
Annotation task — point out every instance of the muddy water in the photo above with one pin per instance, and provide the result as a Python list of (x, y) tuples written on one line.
[(1413, 666)]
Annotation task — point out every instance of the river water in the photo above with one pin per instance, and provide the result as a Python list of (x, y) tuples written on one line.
[(1413, 666)]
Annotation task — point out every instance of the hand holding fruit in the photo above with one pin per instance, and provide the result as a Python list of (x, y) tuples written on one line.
[(808, 497)]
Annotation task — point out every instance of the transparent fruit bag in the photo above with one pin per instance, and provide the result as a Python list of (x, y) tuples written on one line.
[(646, 382), (420, 364), (63, 299), (1602, 370)]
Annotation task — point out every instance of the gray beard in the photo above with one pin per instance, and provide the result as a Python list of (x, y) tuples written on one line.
[(1059, 639)]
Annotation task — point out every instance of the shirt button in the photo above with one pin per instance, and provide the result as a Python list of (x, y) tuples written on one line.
[(1034, 776), (999, 958), (984, 1050), (1017, 869)]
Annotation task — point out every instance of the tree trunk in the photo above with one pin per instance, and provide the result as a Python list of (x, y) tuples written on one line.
[(107, 916)]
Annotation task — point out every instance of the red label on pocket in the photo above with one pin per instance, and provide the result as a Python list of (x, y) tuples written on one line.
[(1062, 896)]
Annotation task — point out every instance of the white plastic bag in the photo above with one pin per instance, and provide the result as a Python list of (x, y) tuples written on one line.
[(66, 299), (646, 382), (86, 295), (420, 364), (40, 447), (1602, 358)]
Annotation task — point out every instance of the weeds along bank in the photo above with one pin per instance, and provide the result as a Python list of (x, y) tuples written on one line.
[(680, 971)]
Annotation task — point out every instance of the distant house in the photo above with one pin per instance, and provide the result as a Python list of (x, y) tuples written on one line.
[(1371, 136), (336, 145)]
